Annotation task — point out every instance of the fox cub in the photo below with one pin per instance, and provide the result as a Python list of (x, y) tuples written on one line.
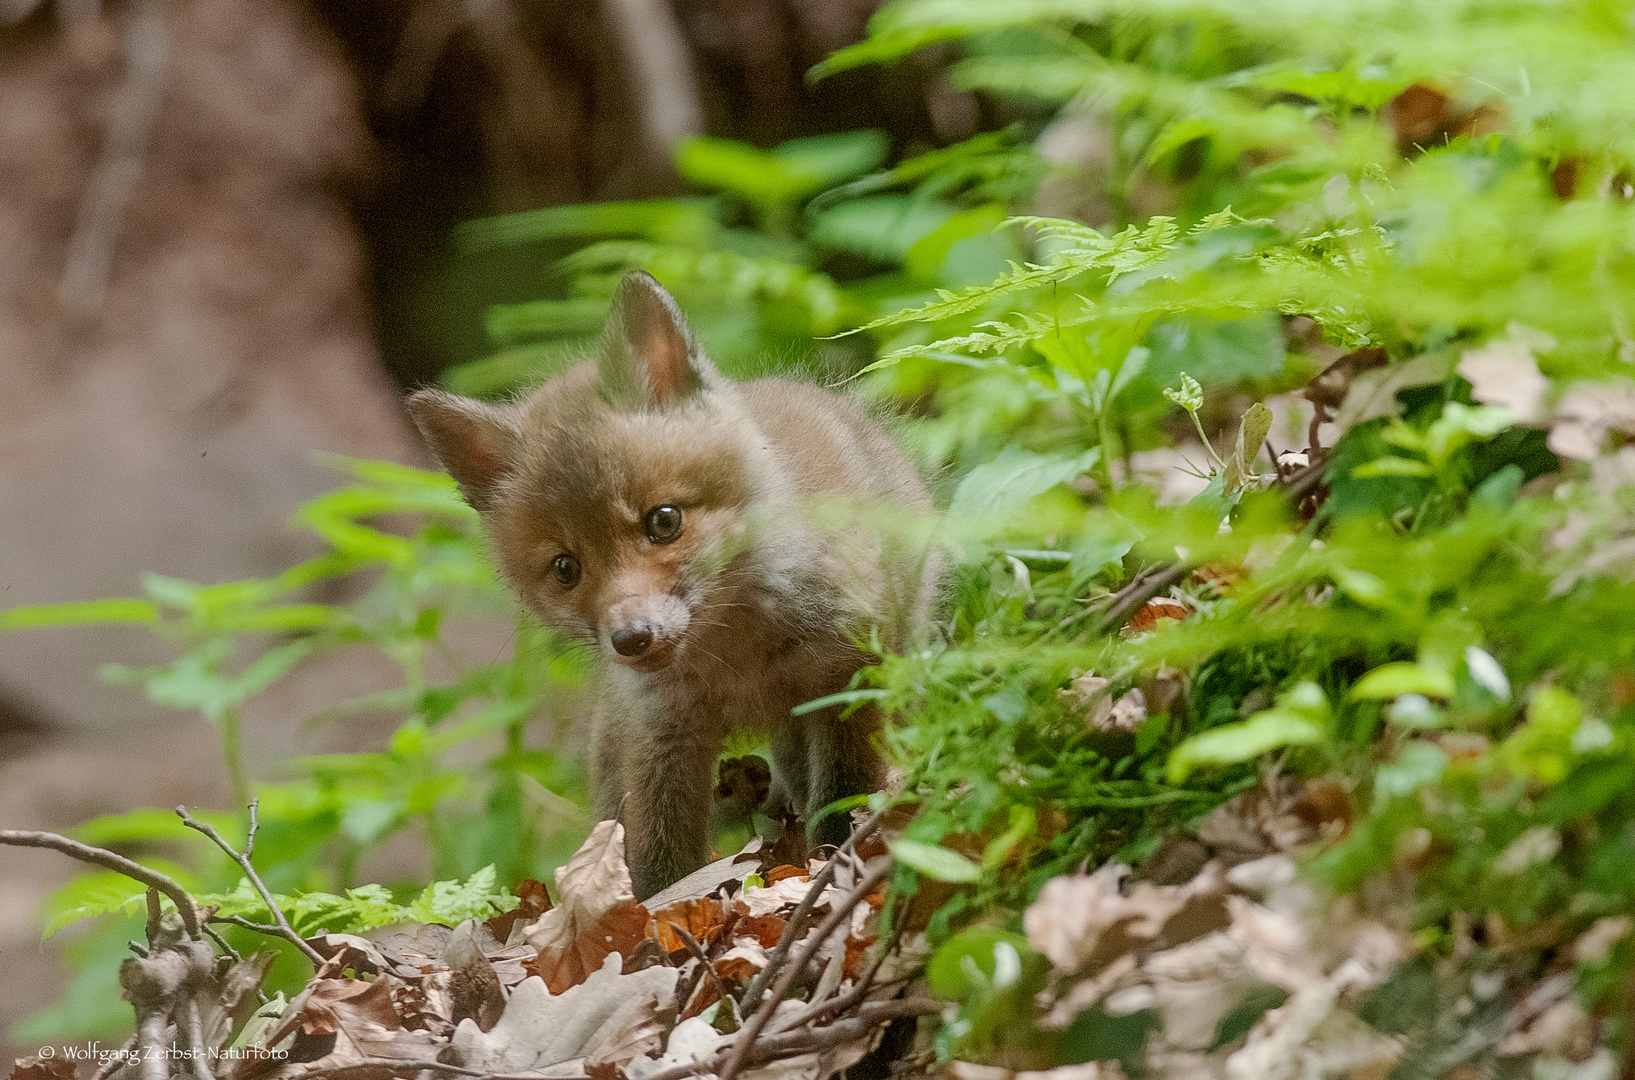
[(713, 542)]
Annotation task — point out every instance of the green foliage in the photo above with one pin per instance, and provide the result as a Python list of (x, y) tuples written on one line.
[(460, 771), (1440, 616)]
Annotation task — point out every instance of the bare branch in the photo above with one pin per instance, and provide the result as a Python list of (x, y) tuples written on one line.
[(106, 859), (841, 912), (1143, 587), (797, 919), (284, 929), (819, 1011), (702, 957)]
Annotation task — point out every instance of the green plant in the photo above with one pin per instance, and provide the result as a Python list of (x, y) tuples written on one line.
[(459, 771), (1417, 217)]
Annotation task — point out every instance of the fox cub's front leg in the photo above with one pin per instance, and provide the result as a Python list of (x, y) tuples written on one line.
[(656, 777), (823, 757)]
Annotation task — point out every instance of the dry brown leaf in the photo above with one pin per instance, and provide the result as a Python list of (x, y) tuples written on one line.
[(540, 1031), (1280, 816), (765, 930), (775, 897), (1504, 373), (778, 873), (474, 987), (1309, 1034), (598, 914), (351, 951), (37, 1068), (695, 1042), (1595, 944), (740, 963), (700, 918), (1083, 921), (1093, 1070), (1149, 615), (1088, 696), (333, 1003), (362, 1018), (533, 901), (1587, 414), (706, 880)]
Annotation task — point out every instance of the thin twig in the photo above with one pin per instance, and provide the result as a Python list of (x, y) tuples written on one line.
[(156, 913), (285, 930), (116, 1060), (110, 861), (221, 942), (702, 957), (797, 919), (823, 1010), (804, 1041), (1143, 587), (255, 823), (839, 913)]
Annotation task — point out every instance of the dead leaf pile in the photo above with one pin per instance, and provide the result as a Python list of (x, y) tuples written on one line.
[(600, 985), (1196, 955)]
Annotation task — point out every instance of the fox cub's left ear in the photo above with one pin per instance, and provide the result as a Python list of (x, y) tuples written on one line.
[(650, 358), (476, 442)]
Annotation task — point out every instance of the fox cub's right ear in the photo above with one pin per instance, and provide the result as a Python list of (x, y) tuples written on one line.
[(650, 358), (474, 441)]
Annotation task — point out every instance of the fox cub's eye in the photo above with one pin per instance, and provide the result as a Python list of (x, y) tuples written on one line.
[(565, 568), (663, 524)]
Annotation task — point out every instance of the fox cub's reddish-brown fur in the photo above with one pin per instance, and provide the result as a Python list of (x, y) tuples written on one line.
[(706, 536)]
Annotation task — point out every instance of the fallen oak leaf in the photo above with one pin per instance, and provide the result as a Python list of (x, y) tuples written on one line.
[(706, 880), (701, 918), (598, 914), (778, 873), (774, 897), (540, 1031), (765, 930)]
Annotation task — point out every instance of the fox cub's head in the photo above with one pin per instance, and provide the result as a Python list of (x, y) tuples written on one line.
[(616, 493)]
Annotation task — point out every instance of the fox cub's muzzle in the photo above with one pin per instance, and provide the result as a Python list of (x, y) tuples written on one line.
[(644, 632)]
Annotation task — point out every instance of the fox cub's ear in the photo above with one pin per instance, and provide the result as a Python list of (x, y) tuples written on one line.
[(650, 359), (473, 440)]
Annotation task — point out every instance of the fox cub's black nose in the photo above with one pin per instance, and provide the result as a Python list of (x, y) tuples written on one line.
[(632, 642)]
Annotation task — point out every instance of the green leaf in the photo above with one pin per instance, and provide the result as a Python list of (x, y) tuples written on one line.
[(1014, 476), (935, 862), (92, 894), (453, 902), (844, 697), (1299, 719), (1542, 748), (1362, 587), (1252, 431), (948, 972), (1391, 680), (883, 227), (82, 613), (1392, 466), (1190, 396), (1216, 352), (1418, 763)]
